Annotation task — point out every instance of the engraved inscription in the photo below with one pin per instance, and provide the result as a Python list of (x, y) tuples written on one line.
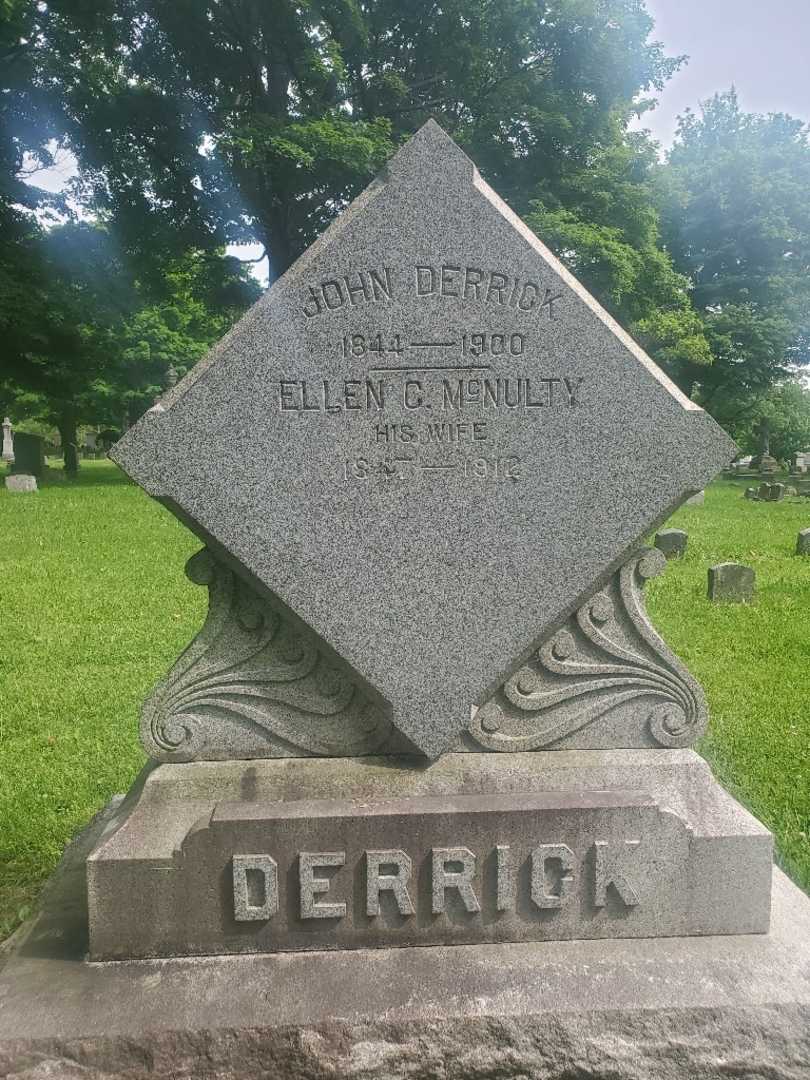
[(381, 285), (312, 885), (611, 870), (255, 887), (544, 858), (553, 872), (391, 871), (453, 868)]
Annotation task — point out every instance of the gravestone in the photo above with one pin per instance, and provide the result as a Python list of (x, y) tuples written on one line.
[(427, 744), (8, 443), (21, 483), (771, 492), (672, 542), (751, 493), (731, 582), (803, 542), (29, 455)]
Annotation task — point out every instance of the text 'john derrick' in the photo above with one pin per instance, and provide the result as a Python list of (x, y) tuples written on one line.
[(454, 871), (382, 285)]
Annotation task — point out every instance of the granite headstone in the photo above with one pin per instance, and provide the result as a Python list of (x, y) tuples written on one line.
[(429, 410), (422, 467), (29, 454), (732, 583), (672, 542)]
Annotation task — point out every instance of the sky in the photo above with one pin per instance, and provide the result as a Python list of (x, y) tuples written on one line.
[(760, 48)]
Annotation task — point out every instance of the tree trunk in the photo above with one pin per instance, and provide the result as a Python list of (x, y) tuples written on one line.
[(69, 437)]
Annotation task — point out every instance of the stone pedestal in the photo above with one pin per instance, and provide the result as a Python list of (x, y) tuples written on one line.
[(286, 854), (643, 1009)]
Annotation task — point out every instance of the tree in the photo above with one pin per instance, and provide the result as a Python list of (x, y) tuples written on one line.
[(92, 343), (786, 410), (736, 220), (205, 121)]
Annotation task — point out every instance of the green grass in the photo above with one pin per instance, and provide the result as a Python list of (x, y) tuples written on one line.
[(753, 660), (94, 609)]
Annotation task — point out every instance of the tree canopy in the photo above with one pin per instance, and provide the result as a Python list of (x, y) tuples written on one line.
[(201, 123), (736, 219)]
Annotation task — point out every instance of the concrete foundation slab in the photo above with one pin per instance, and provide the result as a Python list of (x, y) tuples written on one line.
[(664, 1009)]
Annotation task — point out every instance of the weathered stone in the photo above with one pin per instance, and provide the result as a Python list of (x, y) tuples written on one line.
[(696, 500), (287, 855), (21, 483), (768, 465), (751, 493), (7, 453), (430, 401), (803, 542), (790, 491), (672, 542), (731, 582), (643, 1009), (771, 492)]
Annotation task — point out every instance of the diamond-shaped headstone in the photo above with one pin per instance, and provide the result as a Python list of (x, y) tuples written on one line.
[(427, 440)]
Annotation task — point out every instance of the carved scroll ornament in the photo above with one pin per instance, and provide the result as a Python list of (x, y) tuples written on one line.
[(254, 684), (607, 657)]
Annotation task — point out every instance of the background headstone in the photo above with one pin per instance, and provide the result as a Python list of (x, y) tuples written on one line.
[(803, 542), (696, 500), (19, 482), (8, 442), (672, 542), (751, 493), (731, 582), (771, 492), (29, 454)]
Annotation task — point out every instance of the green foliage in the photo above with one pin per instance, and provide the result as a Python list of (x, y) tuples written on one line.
[(751, 659), (204, 121), (605, 228), (786, 408), (89, 342), (736, 220)]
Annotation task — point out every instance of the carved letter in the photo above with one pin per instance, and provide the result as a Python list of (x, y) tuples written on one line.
[(425, 280), (506, 878), (255, 887), (443, 879), (311, 886), (313, 306), (609, 872), (397, 883), (562, 854)]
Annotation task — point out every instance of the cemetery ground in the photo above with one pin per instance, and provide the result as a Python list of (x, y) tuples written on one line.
[(95, 610)]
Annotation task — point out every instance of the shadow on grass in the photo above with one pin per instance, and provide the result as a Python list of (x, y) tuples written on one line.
[(91, 474)]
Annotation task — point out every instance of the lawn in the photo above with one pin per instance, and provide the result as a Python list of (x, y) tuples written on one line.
[(94, 608)]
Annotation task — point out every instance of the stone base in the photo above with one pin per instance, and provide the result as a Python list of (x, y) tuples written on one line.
[(280, 854), (665, 1009)]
